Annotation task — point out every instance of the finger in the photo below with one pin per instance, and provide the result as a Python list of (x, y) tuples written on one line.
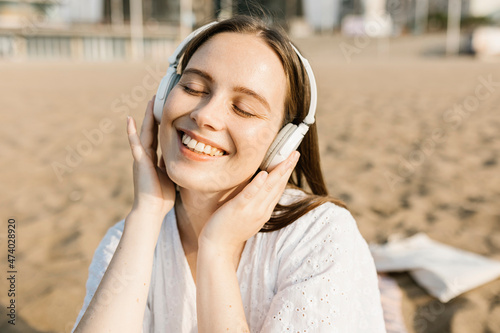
[(265, 188), (275, 184), (281, 173), (134, 141), (290, 163), (279, 188), (162, 164), (251, 190), (154, 145), (149, 132)]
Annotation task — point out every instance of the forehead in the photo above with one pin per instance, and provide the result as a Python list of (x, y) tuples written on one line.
[(243, 60), (245, 52)]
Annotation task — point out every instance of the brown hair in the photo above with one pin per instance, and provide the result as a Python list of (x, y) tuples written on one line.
[(297, 101)]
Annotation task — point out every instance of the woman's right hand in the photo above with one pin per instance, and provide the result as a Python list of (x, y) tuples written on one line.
[(154, 192)]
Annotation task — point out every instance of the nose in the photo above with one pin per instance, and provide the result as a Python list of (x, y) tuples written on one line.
[(210, 114)]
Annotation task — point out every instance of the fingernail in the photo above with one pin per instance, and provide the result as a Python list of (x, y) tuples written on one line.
[(261, 177), (128, 120)]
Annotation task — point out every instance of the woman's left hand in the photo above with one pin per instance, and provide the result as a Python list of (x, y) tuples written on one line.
[(244, 215)]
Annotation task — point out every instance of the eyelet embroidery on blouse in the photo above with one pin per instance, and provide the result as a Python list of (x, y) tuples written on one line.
[(315, 275)]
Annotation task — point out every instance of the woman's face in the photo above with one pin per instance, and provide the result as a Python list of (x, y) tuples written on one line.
[(220, 119)]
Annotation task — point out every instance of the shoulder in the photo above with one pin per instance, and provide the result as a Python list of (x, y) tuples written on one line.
[(328, 234), (323, 224), (324, 261), (329, 208), (100, 261)]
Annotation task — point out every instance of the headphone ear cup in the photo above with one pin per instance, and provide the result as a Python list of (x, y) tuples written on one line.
[(288, 142), (175, 79), (277, 144), (166, 85)]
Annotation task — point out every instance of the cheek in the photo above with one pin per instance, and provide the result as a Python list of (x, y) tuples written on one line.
[(254, 142), (172, 109)]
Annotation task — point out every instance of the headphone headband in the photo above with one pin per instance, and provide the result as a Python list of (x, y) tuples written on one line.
[(309, 119), (176, 56)]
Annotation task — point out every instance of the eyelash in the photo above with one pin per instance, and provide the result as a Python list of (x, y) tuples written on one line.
[(243, 113), (199, 93), (192, 91)]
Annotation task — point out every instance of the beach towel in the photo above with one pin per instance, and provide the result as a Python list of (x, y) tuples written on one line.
[(442, 270)]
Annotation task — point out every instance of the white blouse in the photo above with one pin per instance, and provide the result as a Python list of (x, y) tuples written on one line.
[(315, 275)]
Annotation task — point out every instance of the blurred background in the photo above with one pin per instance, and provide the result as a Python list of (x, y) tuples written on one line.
[(408, 120), (107, 30)]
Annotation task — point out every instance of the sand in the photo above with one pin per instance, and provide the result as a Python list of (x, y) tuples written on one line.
[(393, 144)]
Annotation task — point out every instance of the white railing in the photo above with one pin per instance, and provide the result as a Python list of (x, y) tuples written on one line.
[(83, 47)]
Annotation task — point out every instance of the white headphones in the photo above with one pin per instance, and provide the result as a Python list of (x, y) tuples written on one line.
[(288, 138)]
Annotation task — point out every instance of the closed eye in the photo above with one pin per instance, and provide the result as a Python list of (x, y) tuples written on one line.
[(243, 113), (192, 91)]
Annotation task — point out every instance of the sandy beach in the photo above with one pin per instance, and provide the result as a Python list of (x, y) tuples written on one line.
[(406, 142)]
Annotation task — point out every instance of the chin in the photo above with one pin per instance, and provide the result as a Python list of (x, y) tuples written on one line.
[(207, 180)]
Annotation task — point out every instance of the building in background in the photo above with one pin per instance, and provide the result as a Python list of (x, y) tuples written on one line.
[(90, 30), (105, 30)]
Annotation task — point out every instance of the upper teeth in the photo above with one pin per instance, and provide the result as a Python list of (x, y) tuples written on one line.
[(200, 146)]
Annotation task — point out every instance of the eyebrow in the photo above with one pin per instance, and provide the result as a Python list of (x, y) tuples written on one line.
[(239, 89), (198, 72), (253, 94)]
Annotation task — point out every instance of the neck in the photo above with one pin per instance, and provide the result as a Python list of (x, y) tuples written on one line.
[(193, 210)]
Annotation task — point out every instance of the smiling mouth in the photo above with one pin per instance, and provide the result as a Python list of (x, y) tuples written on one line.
[(200, 147)]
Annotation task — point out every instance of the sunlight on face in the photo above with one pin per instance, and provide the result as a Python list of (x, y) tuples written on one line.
[(231, 96)]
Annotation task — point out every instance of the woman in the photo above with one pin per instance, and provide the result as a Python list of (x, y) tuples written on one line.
[(213, 244)]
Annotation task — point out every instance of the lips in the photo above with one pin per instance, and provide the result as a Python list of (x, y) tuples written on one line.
[(199, 145)]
